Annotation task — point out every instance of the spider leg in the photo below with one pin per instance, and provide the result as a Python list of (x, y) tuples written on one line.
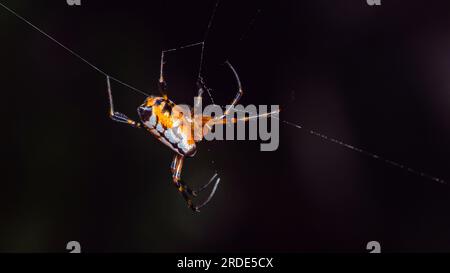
[(201, 86), (238, 95), (117, 116), (185, 190), (162, 82), (177, 164), (162, 85), (240, 91)]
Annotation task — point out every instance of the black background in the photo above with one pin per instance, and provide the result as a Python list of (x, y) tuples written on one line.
[(374, 77)]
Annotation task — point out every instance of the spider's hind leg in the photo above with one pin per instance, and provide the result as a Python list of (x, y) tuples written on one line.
[(185, 190)]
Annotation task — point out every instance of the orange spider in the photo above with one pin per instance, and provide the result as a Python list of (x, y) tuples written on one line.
[(170, 125)]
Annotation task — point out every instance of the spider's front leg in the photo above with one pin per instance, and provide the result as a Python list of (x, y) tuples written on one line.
[(117, 116), (185, 190)]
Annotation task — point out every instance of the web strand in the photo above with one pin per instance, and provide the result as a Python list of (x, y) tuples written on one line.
[(346, 145), (250, 25), (72, 52), (205, 37), (364, 152)]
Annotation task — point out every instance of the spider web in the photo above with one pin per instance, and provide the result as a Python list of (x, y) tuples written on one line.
[(210, 91)]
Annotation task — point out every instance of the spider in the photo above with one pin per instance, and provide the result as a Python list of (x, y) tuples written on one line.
[(159, 116)]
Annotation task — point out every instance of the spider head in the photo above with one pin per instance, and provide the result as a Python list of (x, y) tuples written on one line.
[(146, 108), (162, 103), (153, 101), (161, 106)]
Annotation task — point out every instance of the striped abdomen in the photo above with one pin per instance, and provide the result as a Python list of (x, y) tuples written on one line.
[(170, 130)]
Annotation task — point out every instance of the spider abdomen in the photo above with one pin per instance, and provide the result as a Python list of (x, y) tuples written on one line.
[(171, 131)]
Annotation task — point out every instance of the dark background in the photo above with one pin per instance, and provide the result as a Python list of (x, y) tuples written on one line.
[(374, 77)]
